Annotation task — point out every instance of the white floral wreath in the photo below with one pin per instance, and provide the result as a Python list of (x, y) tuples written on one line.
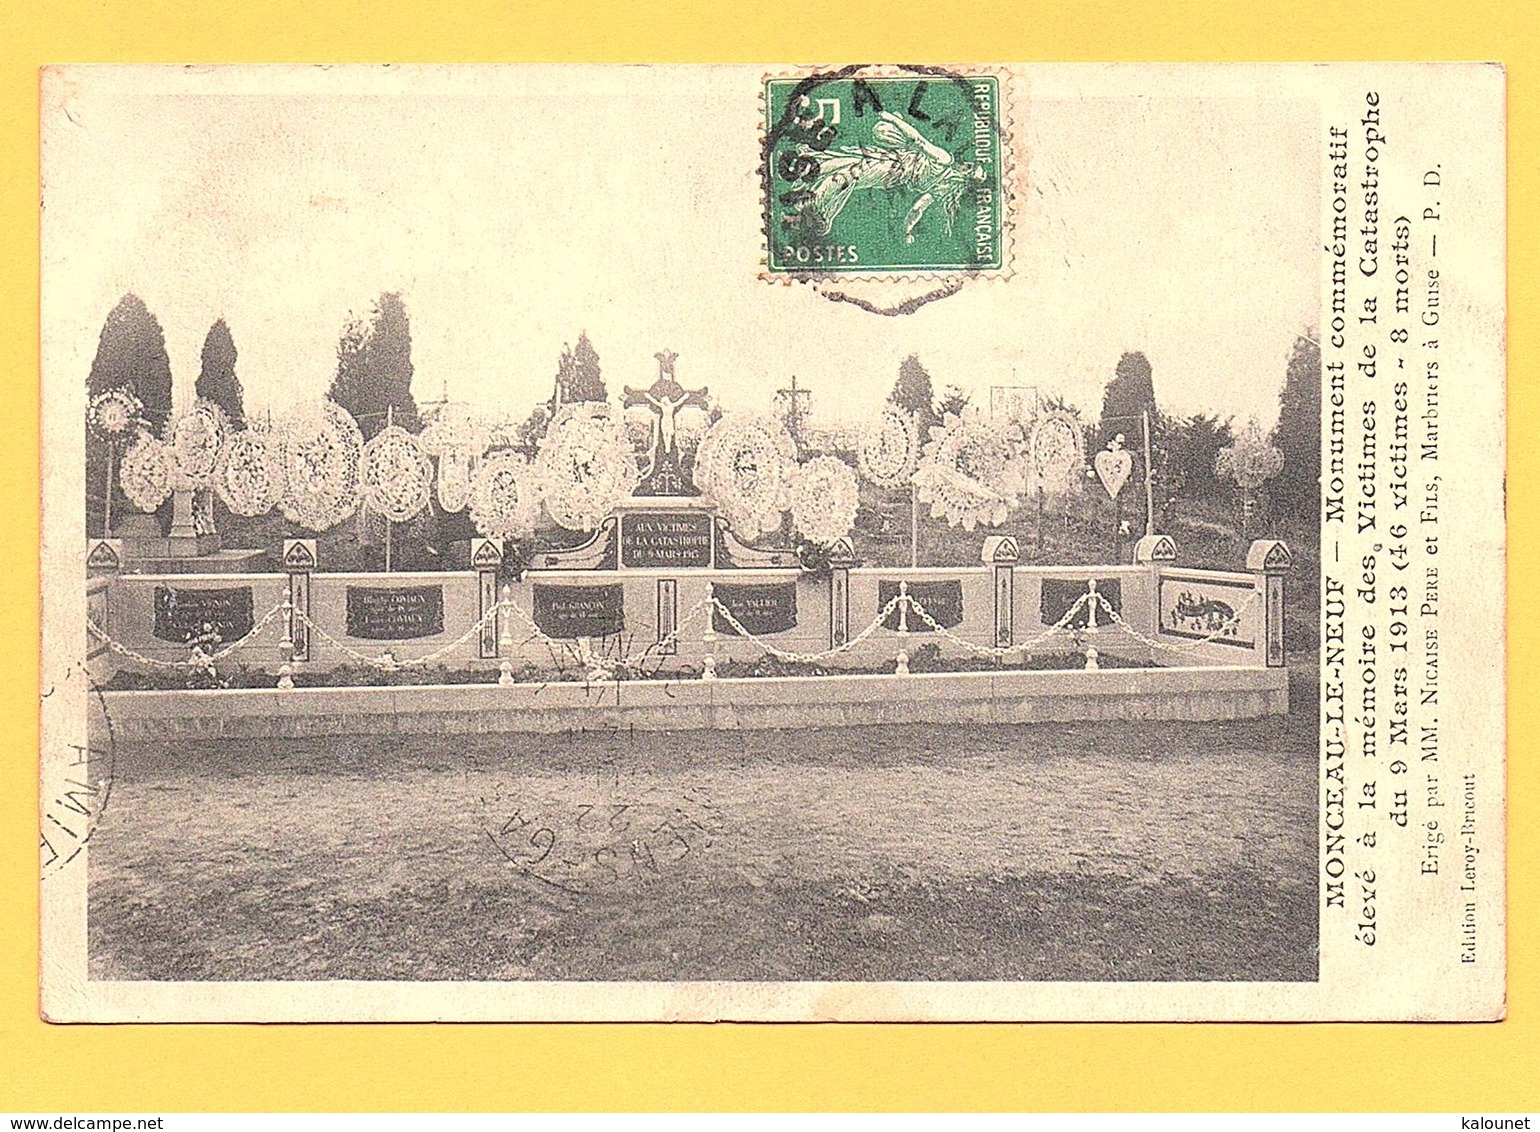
[(587, 465), (455, 428), (321, 449), (890, 448), (250, 474), (454, 480), (504, 496), (394, 474), (824, 499), (971, 472), (112, 413), (196, 438), (1056, 450), (145, 472), (745, 463), (1250, 461)]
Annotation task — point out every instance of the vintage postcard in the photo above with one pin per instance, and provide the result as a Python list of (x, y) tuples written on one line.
[(784, 542)]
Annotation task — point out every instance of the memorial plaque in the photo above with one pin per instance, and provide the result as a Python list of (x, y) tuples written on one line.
[(943, 600), (762, 608), (1206, 609), (1059, 594), (399, 613), (665, 539), (181, 614), (569, 612)]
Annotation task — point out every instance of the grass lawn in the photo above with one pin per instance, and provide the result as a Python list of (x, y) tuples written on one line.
[(1149, 851)]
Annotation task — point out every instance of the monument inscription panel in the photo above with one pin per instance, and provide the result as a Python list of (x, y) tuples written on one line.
[(181, 614), (769, 607), (665, 539), (399, 613), (569, 612)]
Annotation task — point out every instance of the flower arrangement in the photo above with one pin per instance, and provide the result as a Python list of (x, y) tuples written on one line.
[(196, 438), (824, 498), (250, 474), (321, 450), (113, 413), (971, 472), (146, 472), (504, 496), (587, 465), (454, 480), (394, 474), (745, 463), (889, 449), (1056, 452)]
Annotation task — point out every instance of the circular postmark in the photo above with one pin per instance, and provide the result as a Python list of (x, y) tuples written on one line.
[(887, 187), (595, 840), (77, 763)]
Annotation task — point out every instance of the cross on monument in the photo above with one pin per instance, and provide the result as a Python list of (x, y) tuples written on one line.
[(796, 402), (665, 474)]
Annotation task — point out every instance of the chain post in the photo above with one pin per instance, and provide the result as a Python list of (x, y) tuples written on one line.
[(901, 666), (708, 664), (286, 648), (1091, 630)]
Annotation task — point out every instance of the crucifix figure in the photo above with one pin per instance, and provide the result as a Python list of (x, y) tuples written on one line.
[(796, 401), (665, 472)]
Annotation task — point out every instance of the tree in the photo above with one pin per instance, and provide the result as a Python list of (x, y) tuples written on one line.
[(577, 373), (1192, 446), (374, 368), (130, 352), (914, 393), (527, 436), (216, 380), (1296, 489), (953, 401), (1130, 393)]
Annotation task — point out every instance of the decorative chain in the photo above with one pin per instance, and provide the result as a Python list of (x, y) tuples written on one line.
[(387, 662), (808, 657), (1002, 651), (1233, 619), (199, 659)]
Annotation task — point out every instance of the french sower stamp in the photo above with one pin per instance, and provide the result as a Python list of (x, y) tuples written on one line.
[(871, 174)]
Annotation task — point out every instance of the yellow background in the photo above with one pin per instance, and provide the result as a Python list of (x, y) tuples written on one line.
[(175, 1068)]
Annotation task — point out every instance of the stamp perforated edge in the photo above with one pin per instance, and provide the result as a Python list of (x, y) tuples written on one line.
[(1011, 91)]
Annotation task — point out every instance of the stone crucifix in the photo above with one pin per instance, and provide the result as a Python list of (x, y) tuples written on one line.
[(665, 397)]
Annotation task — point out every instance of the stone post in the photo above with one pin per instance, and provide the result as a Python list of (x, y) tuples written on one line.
[(104, 562), (104, 556), (1002, 553), (901, 662), (1153, 551), (668, 616), (299, 559), (486, 557), (841, 558), (1269, 560)]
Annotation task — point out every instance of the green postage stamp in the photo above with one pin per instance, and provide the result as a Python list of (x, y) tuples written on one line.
[(878, 175)]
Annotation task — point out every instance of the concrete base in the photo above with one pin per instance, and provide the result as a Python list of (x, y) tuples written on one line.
[(216, 562), (693, 705)]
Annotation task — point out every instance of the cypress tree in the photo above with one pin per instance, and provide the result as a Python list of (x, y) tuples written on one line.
[(131, 352), (217, 381)]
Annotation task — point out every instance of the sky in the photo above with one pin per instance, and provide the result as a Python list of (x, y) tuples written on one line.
[(515, 207)]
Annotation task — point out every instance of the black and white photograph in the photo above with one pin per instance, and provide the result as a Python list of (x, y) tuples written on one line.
[(772, 542)]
